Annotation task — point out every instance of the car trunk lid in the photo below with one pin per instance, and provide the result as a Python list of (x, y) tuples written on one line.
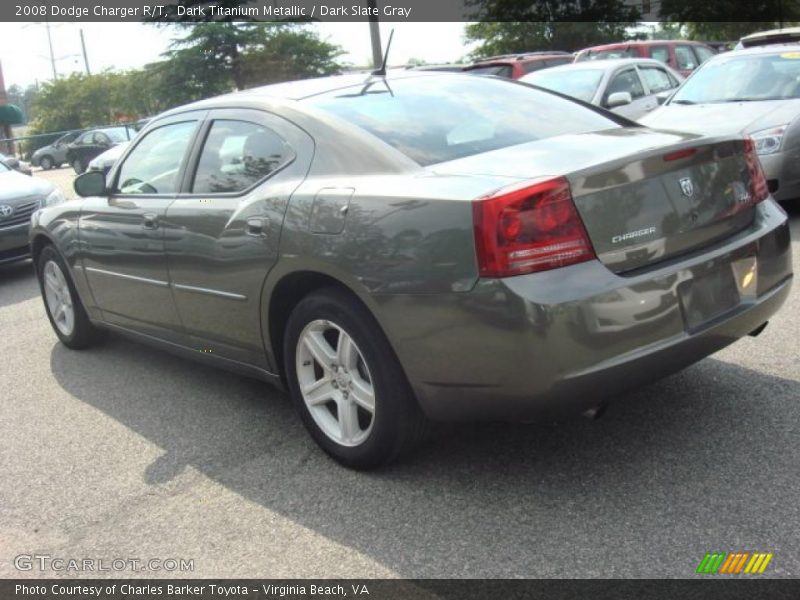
[(644, 196)]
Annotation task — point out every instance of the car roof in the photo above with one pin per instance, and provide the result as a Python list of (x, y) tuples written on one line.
[(605, 64), (755, 50), (305, 88), (634, 43), (772, 32)]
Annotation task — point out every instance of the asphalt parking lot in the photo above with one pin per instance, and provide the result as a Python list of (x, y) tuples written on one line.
[(122, 451)]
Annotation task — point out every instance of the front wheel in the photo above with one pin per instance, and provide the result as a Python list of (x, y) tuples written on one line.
[(347, 384), (77, 166), (46, 163), (61, 301)]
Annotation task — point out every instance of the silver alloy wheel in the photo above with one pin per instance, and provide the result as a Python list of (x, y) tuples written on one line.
[(335, 382), (58, 297)]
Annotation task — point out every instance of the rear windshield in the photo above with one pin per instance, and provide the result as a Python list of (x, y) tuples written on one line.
[(497, 70), (607, 54), (436, 119)]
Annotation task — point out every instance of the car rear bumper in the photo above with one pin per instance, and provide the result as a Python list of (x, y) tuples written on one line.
[(568, 339), (14, 243)]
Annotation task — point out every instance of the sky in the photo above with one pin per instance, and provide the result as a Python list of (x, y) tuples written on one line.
[(25, 56)]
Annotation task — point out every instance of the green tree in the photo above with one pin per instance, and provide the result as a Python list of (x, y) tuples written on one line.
[(509, 26), (507, 38), (707, 20)]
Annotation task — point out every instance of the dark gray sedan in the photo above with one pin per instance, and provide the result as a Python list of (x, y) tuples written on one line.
[(20, 196), (420, 246)]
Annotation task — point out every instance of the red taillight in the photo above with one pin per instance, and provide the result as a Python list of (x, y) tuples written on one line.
[(680, 154), (759, 190), (528, 229)]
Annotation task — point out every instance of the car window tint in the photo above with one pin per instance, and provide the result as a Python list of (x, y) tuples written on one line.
[(436, 119), (660, 53), (703, 53), (497, 70), (237, 154), (627, 81), (685, 58), (615, 53), (152, 167), (658, 80)]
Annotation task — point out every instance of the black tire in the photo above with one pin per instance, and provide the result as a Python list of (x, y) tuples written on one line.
[(46, 162), (398, 424), (78, 166), (83, 334)]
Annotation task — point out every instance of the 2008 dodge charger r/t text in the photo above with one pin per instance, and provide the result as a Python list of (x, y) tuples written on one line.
[(422, 246)]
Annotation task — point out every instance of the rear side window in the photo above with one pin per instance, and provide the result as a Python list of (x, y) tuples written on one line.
[(236, 155), (660, 53), (685, 58), (153, 165), (436, 119)]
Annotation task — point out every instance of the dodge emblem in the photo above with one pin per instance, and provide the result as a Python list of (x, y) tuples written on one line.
[(687, 187)]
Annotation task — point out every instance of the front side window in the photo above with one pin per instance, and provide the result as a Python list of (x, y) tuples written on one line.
[(627, 81), (236, 155), (436, 119), (153, 166)]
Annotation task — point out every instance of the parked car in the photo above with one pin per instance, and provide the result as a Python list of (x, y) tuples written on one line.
[(418, 246), (787, 35), (630, 87), (95, 142), (55, 154), (103, 162), (16, 164), (753, 92), (514, 66), (20, 196), (681, 55)]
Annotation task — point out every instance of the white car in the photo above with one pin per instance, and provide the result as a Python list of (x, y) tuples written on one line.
[(630, 87)]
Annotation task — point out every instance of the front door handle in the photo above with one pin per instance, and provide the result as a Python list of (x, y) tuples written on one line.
[(257, 226), (150, 221)]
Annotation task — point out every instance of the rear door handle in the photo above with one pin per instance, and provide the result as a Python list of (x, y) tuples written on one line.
[(257, 226), (150, 221)]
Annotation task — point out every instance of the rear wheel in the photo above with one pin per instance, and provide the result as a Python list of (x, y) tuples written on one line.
[(46, 163), (61, 301), (347, 384), (78, 166)]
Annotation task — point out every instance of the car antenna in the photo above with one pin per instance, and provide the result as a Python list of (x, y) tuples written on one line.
[(382, 71)]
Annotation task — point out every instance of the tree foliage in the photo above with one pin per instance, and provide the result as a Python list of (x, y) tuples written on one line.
[(707, 20), (207, 60), (510, 26)]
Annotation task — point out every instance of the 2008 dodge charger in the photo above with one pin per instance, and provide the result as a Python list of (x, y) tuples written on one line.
[(418, 246)]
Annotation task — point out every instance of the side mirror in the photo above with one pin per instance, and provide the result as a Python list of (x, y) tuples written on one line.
[(91, 183), (619, 99)]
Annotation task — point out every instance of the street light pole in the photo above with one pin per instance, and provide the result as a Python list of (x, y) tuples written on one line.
[(375, 34), (52, 56), (85, 56)]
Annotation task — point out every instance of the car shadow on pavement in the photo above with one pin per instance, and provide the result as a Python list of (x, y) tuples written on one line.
[(649, 487), (17, 283)]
